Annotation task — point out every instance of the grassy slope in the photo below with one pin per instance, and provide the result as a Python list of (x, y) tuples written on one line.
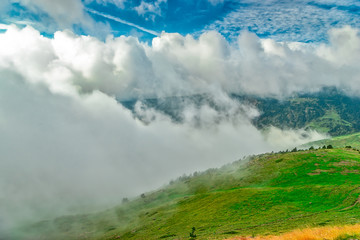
[(331, 120), (269, 194), (352, 140)]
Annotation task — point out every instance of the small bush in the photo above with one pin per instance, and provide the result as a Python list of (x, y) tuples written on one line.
[(192, 233)]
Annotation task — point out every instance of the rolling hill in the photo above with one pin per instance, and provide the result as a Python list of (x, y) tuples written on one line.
[(265, 194)]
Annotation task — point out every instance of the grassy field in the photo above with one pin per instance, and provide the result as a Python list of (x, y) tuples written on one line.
[(264, 195)]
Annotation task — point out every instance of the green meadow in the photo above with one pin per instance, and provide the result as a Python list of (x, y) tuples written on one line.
[(266, 194)]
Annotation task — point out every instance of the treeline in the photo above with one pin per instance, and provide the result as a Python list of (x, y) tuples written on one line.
[(211, 171)]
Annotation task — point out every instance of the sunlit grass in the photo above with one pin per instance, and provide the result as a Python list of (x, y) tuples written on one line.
[(319, 233)]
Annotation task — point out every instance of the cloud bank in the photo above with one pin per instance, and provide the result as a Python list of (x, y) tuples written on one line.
[(67, 143), (181, 65)]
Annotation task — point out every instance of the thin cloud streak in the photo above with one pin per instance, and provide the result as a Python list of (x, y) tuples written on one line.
[(116, 19)]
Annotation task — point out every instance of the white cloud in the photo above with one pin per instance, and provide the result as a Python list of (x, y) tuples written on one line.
[(178, 65), (291, 138), (118, 3), (64, 12), (54, 15), (345, 47), (64, 137), (300, 20), (154, 8)]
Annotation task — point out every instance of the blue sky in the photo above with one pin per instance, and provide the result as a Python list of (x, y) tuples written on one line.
[(282, 20)]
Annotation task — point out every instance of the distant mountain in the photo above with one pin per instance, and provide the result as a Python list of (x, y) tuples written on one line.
[(266, 194), (328, 111)]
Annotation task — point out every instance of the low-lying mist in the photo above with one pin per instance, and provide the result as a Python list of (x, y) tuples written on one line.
[(67, 145), (63, 155)]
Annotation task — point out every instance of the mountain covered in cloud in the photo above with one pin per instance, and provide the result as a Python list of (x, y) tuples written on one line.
[(328, 111), (331, 112)]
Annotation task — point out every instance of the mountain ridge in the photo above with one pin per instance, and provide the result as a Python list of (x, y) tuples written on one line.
[(328, 111)]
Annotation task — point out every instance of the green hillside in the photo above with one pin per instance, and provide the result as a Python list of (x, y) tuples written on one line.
[(352, 140), (266, 194), (328, 111)]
